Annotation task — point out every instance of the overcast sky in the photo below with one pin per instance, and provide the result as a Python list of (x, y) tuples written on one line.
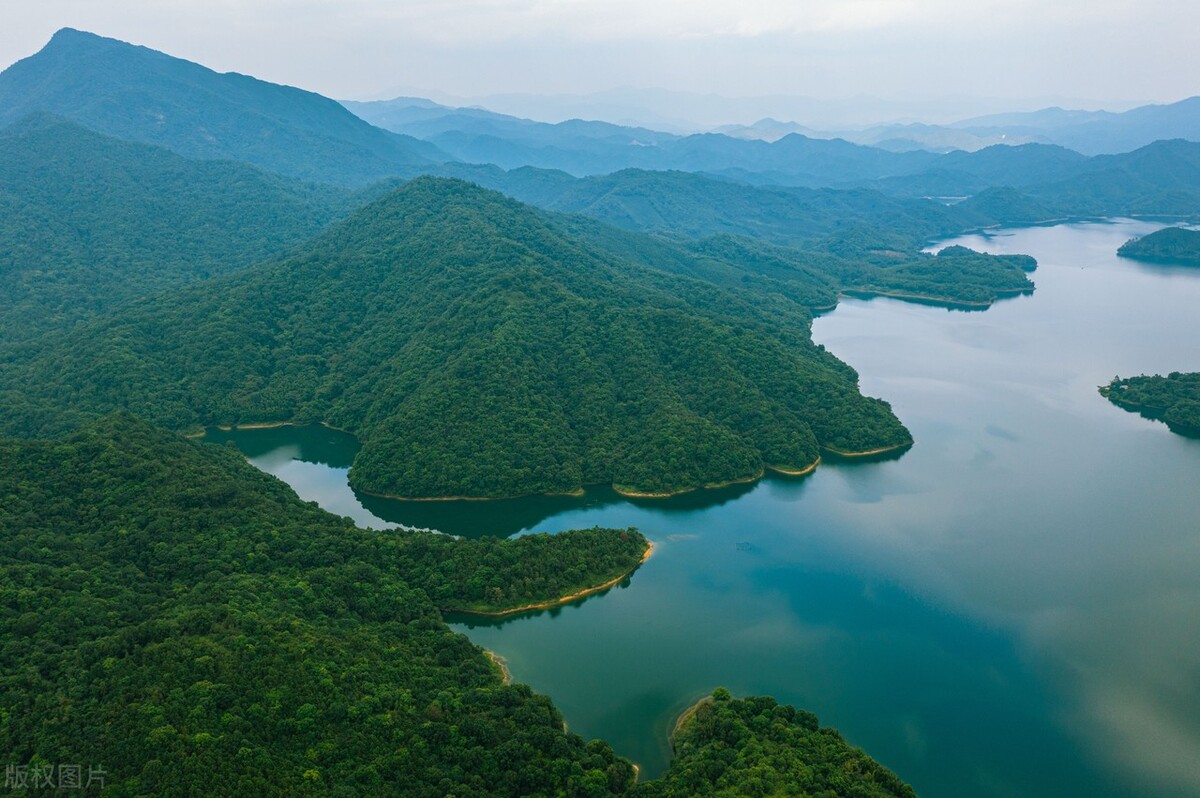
[(1103, 50)]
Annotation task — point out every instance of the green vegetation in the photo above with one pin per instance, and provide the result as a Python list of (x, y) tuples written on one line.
[(1173, 399), (475, 350), (183, 621), (755, 747), (88, 222), (176, 616), (1169, 245)]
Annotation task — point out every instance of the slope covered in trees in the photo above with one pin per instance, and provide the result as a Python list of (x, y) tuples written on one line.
[(1174, 399), (1169, 245), (754, 746), (88, 222), (475, 350), (183, 621), (140, 94)]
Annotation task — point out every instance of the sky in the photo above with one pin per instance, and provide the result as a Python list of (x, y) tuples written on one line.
[(1026, 53)]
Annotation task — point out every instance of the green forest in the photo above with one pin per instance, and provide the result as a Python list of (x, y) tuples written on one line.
[(1169, 245), (726, 747), (475, 350), (182, 620), (144, 220), (1173, 399)]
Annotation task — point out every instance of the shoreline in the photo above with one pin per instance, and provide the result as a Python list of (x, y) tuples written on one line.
[(545, 605), (684, 717), (501, 665), (869, 452), (577, 492)]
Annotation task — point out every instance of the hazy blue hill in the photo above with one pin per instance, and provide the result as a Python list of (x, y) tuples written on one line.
[(1169, 245), (139, 94), (691, 205), (1009, 205), (88, 222), (1100, 132), (475, 349), (477, 135), (1162, 178), (966, 173), (592, 148)]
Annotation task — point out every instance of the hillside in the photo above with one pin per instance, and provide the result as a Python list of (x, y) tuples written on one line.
[(88, 222), (1169, 245), (475, 350), (139, 94), (184, 621)]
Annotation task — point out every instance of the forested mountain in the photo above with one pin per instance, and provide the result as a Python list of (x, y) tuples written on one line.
[(88, 222), (1169, 245), (688, 205), (1159, 179), (142, 95), (1173, 399), (475, 349)]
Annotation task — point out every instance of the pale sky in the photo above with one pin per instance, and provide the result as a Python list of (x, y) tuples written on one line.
[(1104, 50)]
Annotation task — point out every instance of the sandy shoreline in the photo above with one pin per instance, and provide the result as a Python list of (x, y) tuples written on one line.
[(543, 605)]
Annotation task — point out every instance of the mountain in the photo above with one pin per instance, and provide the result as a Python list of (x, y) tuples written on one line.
[(89, 222), (476, 349), (139, 94), (1160, 179), (583, 148), (1098, 132), (689, 205)]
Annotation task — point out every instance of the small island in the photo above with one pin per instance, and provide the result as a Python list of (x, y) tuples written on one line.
[(1169, 245), (779, 749), (1173, 399)]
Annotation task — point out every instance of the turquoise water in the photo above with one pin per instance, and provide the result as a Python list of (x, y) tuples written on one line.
[(1011, 608)]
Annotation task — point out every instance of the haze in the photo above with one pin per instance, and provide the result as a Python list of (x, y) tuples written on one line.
[(1010, 55)]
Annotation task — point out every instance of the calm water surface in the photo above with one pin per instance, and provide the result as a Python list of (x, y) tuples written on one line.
[(1012, 608)]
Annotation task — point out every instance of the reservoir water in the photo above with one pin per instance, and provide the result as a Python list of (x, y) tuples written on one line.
[(1011, 608)]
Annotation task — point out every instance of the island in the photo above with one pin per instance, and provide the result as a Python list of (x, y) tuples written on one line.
[(1173, 399), (1169, 245)]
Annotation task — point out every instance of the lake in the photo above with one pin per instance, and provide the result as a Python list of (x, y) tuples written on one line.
[(1010, 608)]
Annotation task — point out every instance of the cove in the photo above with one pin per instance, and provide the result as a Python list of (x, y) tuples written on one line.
[(1009, 608)]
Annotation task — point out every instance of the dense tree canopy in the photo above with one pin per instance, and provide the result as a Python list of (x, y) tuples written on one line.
[(475, 349), (756, 747), (184, 621), (88, 222), (1174, 399), (1169, 245)]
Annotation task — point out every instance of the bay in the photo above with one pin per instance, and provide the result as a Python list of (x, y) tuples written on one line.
[(1012, 607)]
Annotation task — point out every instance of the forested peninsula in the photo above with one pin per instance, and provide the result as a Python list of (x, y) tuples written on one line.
[(1169, 245), (185, 622), (730, 747), (1173, 399)]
